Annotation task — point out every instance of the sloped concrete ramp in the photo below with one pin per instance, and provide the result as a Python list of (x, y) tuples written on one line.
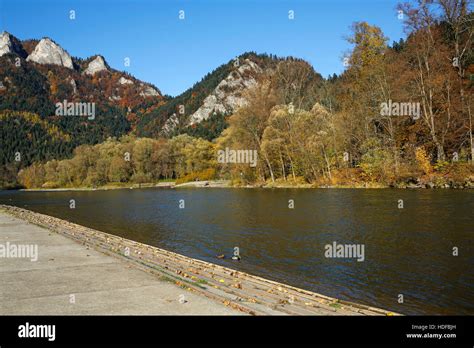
[(71, 279)]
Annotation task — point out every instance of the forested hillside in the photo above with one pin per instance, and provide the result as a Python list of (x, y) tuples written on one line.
[(28, 87), (26, 138), (186, 104), (399, 115)]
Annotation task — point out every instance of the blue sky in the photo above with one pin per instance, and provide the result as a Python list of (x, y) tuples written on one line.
[(173, 54)]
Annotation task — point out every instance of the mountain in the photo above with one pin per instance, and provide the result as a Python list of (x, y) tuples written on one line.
[(36, 75), (217, 95), (39, 77), (58, 76), (201, 110)]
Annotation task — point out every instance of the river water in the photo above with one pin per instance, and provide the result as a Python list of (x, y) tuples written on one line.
[(407, 236)]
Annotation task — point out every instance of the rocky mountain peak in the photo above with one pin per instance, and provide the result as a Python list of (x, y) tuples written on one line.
[(6, 45), (48, 52), (95, 65), (9, 44), (227, 96)]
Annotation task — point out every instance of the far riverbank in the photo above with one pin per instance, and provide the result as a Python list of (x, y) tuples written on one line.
[(268, 185)]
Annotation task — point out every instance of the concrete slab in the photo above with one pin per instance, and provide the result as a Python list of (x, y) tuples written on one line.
[(101, 284)]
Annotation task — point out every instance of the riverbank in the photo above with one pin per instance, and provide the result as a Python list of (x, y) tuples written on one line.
[(239, 291), (169, 184), (268, 185), (117, 186), (65, 277), (348, 179)]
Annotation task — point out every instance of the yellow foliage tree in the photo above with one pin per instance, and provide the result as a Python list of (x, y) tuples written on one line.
[(423, 160)]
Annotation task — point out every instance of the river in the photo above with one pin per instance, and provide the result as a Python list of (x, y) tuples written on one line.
[(407, 236)]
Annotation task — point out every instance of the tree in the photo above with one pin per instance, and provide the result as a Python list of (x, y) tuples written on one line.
[(460, 22), (247, 124), (429, 70), (364, 86)]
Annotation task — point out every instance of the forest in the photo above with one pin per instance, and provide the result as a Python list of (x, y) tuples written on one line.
[(307, 130)]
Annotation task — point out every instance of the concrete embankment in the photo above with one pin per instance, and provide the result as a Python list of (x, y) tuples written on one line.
[(70, 278), (106, 274)]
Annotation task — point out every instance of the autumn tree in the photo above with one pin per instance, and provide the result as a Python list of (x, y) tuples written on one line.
[(247, 124), (364, 86)]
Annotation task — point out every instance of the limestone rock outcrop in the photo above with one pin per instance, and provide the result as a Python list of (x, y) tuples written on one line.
[(227, 96), (48, 52), (96, 65)]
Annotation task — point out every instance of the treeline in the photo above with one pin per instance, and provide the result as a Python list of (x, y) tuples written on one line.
[(396, 114), (294, 146), (129, 159), (27, 138), (432, 69), (24, 139)]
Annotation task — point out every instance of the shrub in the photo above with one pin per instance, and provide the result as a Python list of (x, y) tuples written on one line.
[(423, 160), (207, 174), (376, 162)]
